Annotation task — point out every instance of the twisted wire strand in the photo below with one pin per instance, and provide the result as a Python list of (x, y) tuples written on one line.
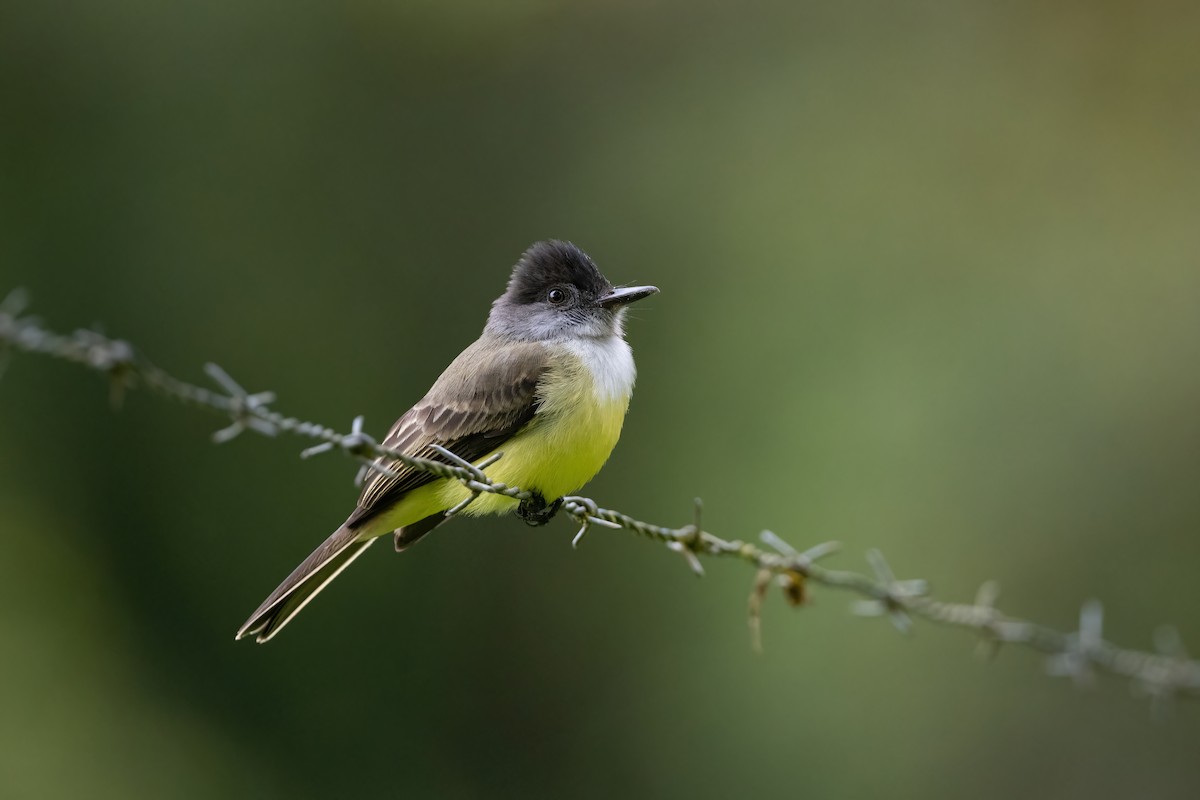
[(1080, 654)]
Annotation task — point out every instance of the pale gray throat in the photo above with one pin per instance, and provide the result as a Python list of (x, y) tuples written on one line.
[(537, 324)]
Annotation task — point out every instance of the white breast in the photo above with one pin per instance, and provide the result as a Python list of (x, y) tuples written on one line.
[(610, 362)]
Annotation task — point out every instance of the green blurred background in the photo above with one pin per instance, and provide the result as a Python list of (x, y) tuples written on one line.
[(930, 284)]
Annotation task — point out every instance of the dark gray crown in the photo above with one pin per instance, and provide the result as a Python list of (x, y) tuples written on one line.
[(552, 262)]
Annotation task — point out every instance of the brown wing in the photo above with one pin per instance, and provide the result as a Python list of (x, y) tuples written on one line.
[(478, 403)]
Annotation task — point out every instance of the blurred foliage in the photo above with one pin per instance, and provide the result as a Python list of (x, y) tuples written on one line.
[(935, 263)]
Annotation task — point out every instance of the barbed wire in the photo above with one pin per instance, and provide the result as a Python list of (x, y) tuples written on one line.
[(1162, 675)]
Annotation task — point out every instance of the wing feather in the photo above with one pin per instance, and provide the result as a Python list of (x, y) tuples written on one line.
[(478, 403)]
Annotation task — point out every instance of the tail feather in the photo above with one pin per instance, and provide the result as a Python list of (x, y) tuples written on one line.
[(409, 535), (313, 575)]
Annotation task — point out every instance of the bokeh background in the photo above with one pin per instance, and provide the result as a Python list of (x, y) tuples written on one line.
[(930, 284)]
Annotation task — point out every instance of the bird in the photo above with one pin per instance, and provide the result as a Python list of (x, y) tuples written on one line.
[(546, 385)]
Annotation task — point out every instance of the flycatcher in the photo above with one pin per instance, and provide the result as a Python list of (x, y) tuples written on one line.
[(548, 383)]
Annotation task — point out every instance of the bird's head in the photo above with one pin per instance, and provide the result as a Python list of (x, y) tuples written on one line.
[(556, 292)]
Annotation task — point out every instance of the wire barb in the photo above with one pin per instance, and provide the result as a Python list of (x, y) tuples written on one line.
[(450, 512), (245, 409), (583, 529), (988, 647), (585, 511), (1083, 647), (475, 479), (355, 444), (690, 539), (894, 598), (773, 541)]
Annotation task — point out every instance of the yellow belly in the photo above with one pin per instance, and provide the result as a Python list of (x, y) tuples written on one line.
[(559, 451)]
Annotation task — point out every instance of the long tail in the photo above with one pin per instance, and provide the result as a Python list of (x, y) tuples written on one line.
[(333, 556)]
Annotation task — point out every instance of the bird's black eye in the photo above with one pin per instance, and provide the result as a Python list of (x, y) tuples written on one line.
[(556, 296)]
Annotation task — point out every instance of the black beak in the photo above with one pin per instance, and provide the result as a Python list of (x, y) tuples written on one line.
[(626, 295)]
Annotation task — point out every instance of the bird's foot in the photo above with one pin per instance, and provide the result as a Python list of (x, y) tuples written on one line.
[(536, 511)]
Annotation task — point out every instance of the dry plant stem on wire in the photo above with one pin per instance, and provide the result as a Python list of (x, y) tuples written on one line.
[(1080, 654)]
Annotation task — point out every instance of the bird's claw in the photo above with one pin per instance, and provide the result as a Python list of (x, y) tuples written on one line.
[(536, 511)]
